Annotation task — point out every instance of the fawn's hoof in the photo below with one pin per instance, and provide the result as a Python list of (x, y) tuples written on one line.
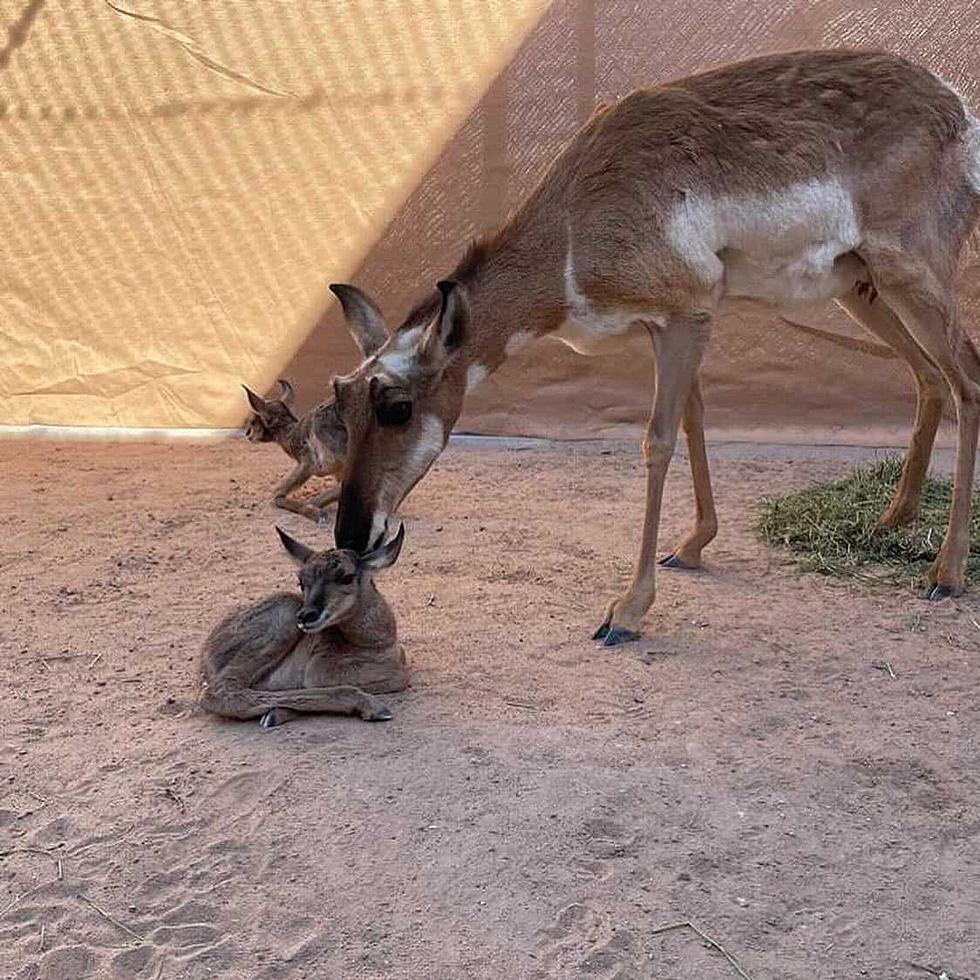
[(934, 593), (379, 714), (673, 561), (600, 633), (270, 719)]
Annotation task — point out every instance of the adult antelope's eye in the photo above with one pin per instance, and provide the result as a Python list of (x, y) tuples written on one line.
[(345, 579), (393, 413)]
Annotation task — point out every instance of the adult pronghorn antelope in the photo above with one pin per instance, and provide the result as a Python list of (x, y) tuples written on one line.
[(793, 177)]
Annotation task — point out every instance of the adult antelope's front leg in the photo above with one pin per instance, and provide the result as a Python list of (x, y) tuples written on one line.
[(678, 345), (687, 554)]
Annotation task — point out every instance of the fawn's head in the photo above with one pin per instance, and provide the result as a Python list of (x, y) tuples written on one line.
[(398, 406), (334, 582), (271, 415)]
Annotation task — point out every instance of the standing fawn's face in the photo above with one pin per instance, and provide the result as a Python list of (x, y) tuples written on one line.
[(271, 415), (398, 408), (332, 581)]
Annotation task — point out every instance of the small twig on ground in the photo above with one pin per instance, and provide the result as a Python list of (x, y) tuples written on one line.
[(171, 793), (93, 661), (36, 850), (105, 915), (514, 703), (886, 667), (18, 900), (687, 924), (35, 796), (975, 623), (939, 974), (40, 945)]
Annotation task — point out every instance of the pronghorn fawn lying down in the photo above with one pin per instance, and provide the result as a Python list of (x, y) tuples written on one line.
[(804, 176), (274, 421), (331, 650)]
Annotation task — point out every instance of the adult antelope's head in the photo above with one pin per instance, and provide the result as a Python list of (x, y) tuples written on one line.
[(398, 407)]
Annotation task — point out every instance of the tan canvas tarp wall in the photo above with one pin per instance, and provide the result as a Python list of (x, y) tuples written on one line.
[(181, 180)]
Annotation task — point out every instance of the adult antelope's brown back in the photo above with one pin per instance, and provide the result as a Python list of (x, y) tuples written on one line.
[(813, 175)]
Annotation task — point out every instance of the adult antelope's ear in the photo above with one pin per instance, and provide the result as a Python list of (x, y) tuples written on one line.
[(257, 403), (385, 555), (297, 551), (364, 319), (444, 335), (285, 391)]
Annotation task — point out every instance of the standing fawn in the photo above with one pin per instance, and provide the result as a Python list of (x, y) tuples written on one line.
[(331, 650), (323, 455), (797, 177)]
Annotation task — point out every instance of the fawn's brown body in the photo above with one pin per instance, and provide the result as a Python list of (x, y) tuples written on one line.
[(331, 650), (316, 441)]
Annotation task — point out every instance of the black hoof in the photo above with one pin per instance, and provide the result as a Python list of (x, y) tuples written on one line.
[(269, 719), (936, 592), (382, 714), (672, 561), (615, 635), (600, 633)]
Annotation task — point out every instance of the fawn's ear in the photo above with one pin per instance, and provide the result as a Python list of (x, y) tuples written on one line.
[(285, 392), (257, 403), (300, 553), (384, 555)]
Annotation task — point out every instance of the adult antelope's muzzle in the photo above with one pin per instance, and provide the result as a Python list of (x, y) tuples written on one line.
[(352, 528)]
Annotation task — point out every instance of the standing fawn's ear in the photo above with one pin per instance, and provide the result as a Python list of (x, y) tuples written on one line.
[(364, 319), (444, 335), (257, 403), (298, 552), (285, 392), (385, 555)]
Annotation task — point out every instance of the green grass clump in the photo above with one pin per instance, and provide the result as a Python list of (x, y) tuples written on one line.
[(831, 527)]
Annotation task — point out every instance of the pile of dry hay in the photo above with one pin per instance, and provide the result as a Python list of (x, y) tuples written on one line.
[(831, 527)]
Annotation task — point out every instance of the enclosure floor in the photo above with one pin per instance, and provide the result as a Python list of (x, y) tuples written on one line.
[(539, 805)]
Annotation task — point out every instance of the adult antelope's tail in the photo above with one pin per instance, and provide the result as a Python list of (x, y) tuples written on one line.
[(850, 343)]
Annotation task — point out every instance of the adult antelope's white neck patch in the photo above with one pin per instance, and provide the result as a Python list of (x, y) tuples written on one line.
[(588, 330), (475, 375)]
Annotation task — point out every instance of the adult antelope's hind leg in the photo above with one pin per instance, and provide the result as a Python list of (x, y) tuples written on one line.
[(678, 345), (877, 317), (928, 308), (687, 554)]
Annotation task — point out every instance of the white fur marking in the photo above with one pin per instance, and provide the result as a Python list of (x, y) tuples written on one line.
[(518, 341), (971, 137), (403, 348), (971, 150), (475, 374), (586, 330), (431, 441), (779, 248)]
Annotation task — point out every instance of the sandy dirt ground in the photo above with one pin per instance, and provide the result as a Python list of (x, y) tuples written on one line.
[(538, 806)]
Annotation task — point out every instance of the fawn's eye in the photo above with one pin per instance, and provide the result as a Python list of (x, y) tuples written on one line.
[(345, 579)]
